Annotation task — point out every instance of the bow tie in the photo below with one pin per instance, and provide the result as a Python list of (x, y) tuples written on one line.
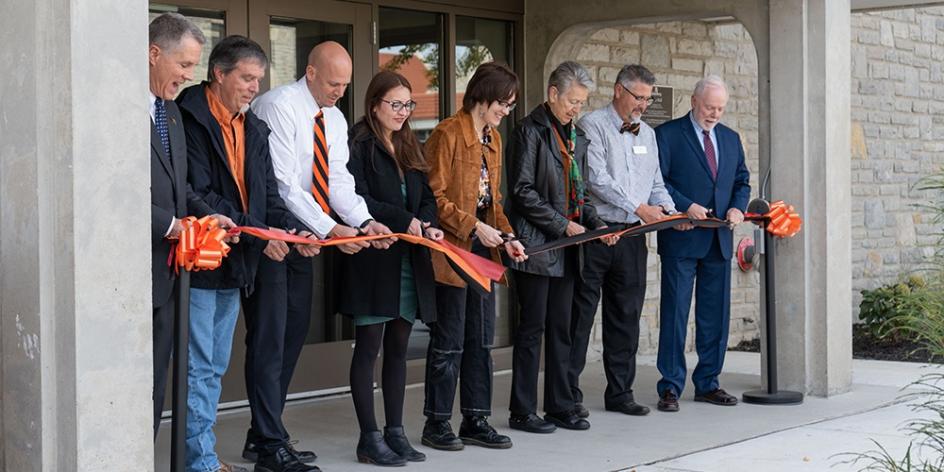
[(630, 127)]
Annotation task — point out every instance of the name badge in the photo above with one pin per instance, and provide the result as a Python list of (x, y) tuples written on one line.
[(640, 150)]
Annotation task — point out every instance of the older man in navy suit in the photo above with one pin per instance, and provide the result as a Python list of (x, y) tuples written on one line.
[(703, 166)]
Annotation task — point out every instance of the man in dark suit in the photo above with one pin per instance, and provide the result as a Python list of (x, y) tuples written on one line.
[(174, 51), (703, 166)]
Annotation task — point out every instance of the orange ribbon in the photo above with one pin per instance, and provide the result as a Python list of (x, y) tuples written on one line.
[(201, 245), (782, 220), (479, 269)]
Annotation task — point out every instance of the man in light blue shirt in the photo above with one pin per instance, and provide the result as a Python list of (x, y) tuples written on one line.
[(626, 185)]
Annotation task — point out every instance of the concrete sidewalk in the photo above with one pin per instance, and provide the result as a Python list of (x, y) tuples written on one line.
[(700, 437)]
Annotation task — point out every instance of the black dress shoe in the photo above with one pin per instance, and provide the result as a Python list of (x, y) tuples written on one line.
[(531, 423), (629, 408), (717, 397), (568, 420), (397, 441), (438, 435), (581, 410), (251, 452), (668, 401), (281, 460), (372, 449), (476, 430)]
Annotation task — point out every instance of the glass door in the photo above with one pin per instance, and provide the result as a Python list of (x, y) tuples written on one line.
[(287, 30)]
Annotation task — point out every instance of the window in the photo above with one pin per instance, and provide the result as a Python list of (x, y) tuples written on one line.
[(411, 43), (213, 25)]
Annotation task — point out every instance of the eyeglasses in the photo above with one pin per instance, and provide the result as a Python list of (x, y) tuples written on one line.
[(398, 105), (507, 105), (648, 100)]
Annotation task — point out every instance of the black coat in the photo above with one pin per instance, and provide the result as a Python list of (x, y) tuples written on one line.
[(171, 197), (536, 201), (370, 279), (210, 176)]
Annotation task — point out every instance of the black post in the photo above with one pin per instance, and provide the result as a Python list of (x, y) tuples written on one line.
[(772, 396), (178, 433)]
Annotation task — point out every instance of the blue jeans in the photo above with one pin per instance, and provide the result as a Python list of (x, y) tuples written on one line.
[(213, 315)]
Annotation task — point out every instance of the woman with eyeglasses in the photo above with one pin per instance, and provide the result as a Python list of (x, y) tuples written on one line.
[(386, 290), (464, 153), (548, 201)]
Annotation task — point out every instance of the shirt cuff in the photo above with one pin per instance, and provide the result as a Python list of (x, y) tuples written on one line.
[(169, 228)]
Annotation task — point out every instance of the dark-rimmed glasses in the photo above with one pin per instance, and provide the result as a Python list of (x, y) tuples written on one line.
[(648, 100), (397, 105)]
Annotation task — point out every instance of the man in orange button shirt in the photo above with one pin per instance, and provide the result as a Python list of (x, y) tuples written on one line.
[(230, 168)]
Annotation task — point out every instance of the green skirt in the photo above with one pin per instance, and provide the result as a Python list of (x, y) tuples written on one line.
[(408, 300)]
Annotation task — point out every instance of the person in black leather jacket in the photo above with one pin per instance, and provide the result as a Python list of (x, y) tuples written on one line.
[(547, 200)]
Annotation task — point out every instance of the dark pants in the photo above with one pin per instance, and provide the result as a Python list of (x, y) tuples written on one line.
[(620, 271), (460, 349), (545, 305), (163, 338), (278, 315), (711, 276)]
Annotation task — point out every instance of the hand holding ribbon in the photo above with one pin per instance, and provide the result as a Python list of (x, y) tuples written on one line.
[(201, 245)]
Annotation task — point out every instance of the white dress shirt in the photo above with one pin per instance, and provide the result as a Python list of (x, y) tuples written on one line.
[(290, 112), (624, 168)]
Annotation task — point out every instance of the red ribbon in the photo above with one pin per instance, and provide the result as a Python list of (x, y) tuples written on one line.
[(782, 220), (478, 268), (201, 245)]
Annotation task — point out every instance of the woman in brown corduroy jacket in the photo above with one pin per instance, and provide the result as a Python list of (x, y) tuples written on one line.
[(464, 153)]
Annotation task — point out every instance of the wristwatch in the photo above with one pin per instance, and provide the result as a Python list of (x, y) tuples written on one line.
[(362, 229)]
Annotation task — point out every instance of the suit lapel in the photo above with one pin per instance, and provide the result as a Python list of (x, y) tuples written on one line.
[(723, 145)]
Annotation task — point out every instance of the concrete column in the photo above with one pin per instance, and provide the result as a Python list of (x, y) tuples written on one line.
[(75, 312), (809, 145)]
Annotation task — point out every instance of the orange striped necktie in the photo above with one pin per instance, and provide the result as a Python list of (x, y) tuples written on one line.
[(319, 168)]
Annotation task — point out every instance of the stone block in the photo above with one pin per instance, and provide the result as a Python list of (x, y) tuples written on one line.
[(655, 51), (695, 29), (606, 34), (591, 52), (629, 37), (670, 27), (605, 76), (688, 65), (624, 55), (695, 47), (874, 214), (725, 49), (859, 150), (869, 37), (886, 34)]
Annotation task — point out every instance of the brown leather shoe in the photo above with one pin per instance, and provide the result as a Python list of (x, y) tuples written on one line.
[(668, 401), (717, 397)]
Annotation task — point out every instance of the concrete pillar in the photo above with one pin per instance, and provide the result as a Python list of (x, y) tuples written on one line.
[(75, 312), (809, 145)]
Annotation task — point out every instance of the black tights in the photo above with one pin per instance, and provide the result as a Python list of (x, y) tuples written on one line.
[(395, 335)]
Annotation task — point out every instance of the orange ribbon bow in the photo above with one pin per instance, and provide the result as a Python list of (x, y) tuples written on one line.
[(782, 220), (201, 245)]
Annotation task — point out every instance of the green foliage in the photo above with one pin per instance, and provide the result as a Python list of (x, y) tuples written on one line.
[(886, 309), (914, 308)]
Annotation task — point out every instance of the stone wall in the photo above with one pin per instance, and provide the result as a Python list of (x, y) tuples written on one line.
[(897, 138), (897, 132), (680, 53)]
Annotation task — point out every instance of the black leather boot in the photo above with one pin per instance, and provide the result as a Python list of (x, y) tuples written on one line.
[(438, 435), (372, 449), (397, 441), (476, 430)]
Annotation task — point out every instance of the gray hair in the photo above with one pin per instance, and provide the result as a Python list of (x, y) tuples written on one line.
[(567, 74), (709, 81), (169, 29), (227, 53), (635, 73)]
